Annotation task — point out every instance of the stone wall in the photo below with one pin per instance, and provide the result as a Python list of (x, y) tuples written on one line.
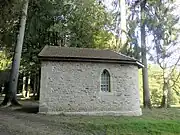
[(74, 88)]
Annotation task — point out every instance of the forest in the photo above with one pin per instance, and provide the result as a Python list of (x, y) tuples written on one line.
[(147, 30)]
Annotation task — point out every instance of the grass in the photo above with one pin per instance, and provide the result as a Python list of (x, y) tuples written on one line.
[(152, 122)]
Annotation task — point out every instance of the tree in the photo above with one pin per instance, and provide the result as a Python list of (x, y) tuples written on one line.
[(129, 44), (64, 23), (5, 60), (123, 22), (155, 74), (9, 14), (146, 94), (163, 25), (154, 21), (12, 89)]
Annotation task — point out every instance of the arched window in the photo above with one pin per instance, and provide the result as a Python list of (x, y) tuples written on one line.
[(105, 81)]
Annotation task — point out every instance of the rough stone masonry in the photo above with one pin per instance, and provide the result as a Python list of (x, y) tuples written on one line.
[(73, 87)]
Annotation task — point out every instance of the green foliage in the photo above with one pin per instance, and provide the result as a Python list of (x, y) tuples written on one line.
[(80, 23), (131, 48), (63, 23), (5, 60), (156, 86), (163, 25), (9, 14), (86, 24)]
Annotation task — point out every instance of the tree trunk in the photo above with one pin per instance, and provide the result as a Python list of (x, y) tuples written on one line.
[(24, 87), (165, 103), (146, 94), (38, 84), (34, 85), (164, 97), (169, 97), (12, 89), (123, 23), (28, 86)]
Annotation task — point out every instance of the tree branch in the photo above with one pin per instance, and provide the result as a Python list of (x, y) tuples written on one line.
[(174, 66), (174, 81)]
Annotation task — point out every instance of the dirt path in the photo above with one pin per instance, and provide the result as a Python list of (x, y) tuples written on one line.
[(23, 123)]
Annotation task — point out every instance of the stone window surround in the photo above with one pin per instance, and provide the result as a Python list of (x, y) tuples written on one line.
[(105, 81), (111, 84)]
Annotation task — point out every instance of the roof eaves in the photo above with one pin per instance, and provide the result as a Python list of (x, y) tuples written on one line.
[(140, 65), (42, 51), (133, 62)]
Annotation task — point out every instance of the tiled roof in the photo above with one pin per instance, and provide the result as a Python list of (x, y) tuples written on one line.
[(69, 53)]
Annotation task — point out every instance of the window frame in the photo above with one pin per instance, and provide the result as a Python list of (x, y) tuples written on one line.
[(106, 85)]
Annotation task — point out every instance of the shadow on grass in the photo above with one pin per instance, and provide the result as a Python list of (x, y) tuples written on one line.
[(28, 109), (28, 106)]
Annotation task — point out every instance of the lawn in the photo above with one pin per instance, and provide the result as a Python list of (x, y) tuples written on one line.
[(152, 122)]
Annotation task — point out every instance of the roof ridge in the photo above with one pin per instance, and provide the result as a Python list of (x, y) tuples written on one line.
[(95, 49)]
